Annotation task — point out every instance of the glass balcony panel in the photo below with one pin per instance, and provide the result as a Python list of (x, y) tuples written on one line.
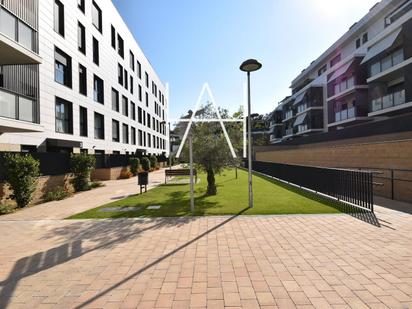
[(398, 57), (386, 63), (337, 89), (26, 109), (399, 97), (337, 117), (351, 82), (25, 36), (7, 105), (376, 104), (375, 68), (344, 114), (7, 24), (351, 113), (387, 101)]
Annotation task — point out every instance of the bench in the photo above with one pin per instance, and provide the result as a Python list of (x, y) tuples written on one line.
[(179, 172)]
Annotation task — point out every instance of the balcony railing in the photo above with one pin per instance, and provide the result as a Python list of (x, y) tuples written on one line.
[(386, 63), (289, 132), (302, 108), (17, 107), (345, 114), (344, 85), (17, 30), (288, 114), (388, 101)]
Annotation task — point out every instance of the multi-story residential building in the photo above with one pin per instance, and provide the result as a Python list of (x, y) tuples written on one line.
[(74, 79), (365, 76)]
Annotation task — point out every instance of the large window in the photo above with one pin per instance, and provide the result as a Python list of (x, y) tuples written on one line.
[(98, 126), (125, 133), (97, 17), (125, 106), (140, 93), (133, 135), (64, 116), (63, 68), (83, 121), (81, 38), (12, 106), (120, 73), (98, 87), (115, 100), (96, 51), (120, 46), (82, 80), (80, 5), (115, 131), (147, 99), (113, 37), (139, 115), (7, 105), (147, 79), (133, 110), (139, 69), (335, 60), (59, 17), (131, 61), (8, 24)]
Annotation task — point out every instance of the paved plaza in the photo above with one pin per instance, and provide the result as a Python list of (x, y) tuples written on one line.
[(313, 261)]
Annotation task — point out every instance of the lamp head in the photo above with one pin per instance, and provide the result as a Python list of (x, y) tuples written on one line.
[(250, 65)]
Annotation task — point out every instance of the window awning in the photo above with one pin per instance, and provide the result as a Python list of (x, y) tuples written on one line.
[(342, 70), (299, 98), (300, 120), (381, 46)]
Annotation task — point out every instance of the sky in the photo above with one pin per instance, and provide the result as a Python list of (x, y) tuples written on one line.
[(192, 42)]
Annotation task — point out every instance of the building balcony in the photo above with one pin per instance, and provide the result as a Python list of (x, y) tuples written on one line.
[(389, 103), (18, 41), (18, 113)]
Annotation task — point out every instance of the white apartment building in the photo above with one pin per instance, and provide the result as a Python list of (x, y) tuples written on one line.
[(76, 80), (365, 76)]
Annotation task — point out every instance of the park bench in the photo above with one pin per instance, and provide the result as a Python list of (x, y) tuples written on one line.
[(179, 172)]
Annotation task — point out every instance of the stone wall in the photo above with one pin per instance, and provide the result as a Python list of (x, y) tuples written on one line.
[(388, 159)]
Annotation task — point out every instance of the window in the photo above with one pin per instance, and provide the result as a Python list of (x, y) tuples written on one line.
[(147, 99), (125, 106), (63, 68), (133, 110), (113, 37), (335, 60), (25, 36), (80, 5), (139, 114), (120, 46), (139, 69), (120, 74), (140, 138), (358, 43), (132, 61), (83, 121), (133, 135), (148, 120), (125, 131), (115, 131), (98, 90), (365, 38), (59, 17), (126, 80), (95, 51), (82, 80), (64, 116), (147, 79), (140, 93), (98, 126), (115, 100), (81, 38), (149, 140), (26, 110), (131, 84), (8, 24), (97, 17)]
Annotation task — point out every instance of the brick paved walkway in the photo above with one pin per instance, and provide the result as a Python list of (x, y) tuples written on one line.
[(315, 261)]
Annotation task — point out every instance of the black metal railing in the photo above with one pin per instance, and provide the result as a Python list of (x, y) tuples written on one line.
[(350, 186)]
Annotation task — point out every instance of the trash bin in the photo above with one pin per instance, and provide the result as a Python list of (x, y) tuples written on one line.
[(143, 180)]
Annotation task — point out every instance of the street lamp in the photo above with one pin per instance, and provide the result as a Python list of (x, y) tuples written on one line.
[(170, 145), (248, 66)]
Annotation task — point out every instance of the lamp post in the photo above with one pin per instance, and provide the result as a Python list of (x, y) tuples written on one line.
[(249, 66), (170, 145)]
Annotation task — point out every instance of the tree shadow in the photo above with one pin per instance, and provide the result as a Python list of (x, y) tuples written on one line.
[(356, 212)]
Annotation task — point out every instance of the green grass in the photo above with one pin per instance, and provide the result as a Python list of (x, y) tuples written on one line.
[(270, 197)]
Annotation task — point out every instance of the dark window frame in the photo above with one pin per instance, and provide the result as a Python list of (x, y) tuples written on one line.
[(66, 68), (98, 96), (83, 125), (99, 27), (68, 118), (82, 80), (96, 129)]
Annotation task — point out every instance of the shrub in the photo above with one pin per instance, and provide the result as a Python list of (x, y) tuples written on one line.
[(81, 167), (134, 165), (96, 184), (125, 174), (56, 194), (146, 164), (153, 161), (5, 209), (21, 173)]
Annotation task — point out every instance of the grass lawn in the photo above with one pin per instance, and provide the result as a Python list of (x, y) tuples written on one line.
[(270, 197)]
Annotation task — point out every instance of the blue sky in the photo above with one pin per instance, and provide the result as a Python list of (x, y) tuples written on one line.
[(190, 42)]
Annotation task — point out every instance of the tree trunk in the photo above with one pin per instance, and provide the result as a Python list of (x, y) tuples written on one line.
[(211, 184)]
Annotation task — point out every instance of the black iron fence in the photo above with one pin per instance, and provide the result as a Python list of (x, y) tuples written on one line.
[(52, 163), (351, 186)]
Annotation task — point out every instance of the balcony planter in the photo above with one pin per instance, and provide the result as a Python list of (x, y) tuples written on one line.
[(143, 180)]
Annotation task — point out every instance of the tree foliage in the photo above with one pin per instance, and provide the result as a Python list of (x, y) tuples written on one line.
[(81, 167)]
